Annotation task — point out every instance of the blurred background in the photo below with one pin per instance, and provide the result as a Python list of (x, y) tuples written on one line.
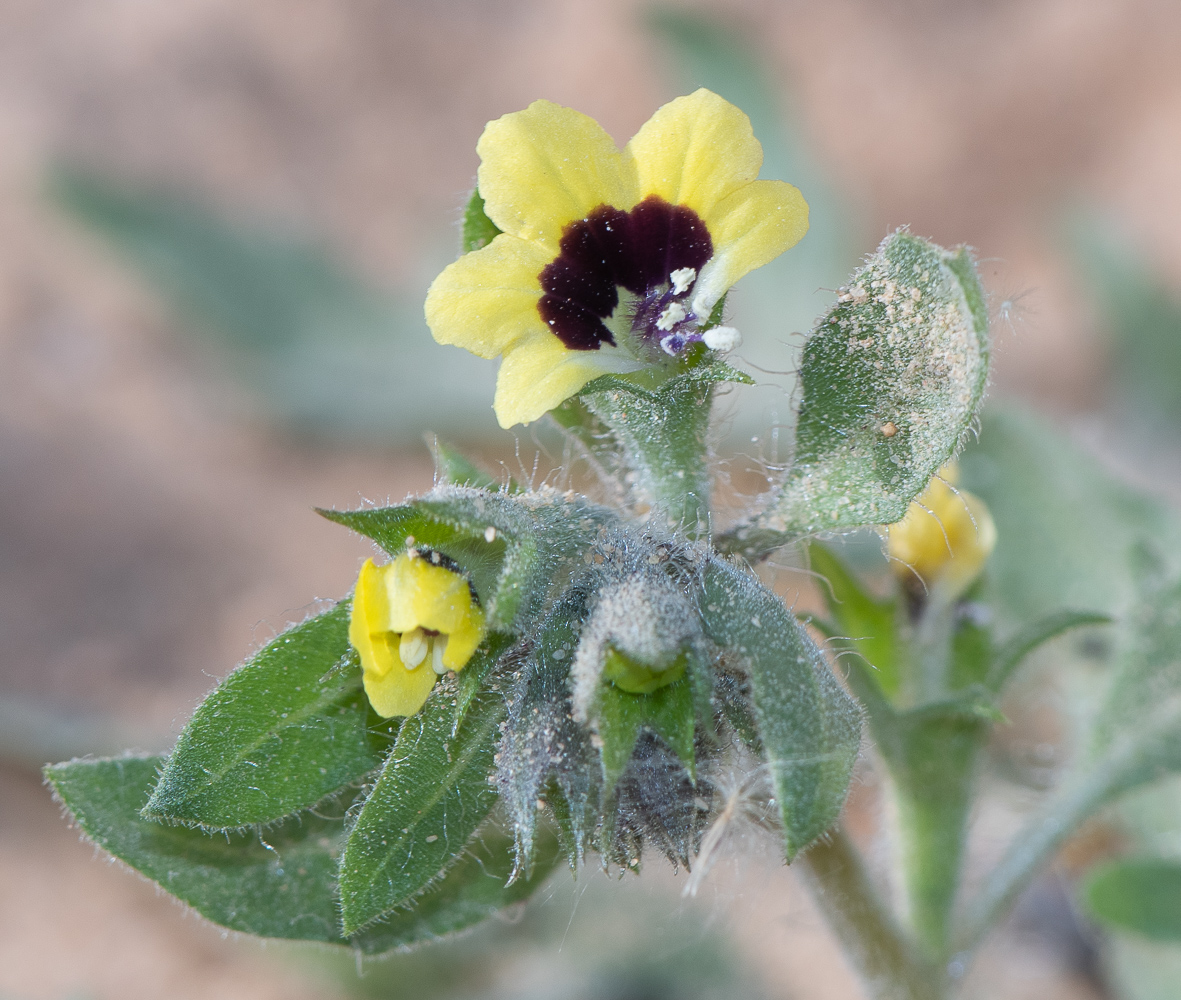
[(217, 224)]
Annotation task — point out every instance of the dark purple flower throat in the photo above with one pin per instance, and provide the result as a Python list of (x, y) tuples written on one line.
[(638, 250)]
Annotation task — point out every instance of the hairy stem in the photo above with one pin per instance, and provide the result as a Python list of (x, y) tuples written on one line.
[(871, 937)]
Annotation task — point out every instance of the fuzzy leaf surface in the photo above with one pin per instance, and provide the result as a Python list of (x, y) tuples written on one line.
[(543, 741), (279, 734), (891, 380), (809, 727), (454, 467), (284, 890), (432, 795), (513, 546)]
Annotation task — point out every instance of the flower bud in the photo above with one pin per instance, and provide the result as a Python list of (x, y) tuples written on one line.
[(637, 637), (944, 540), (412, 620)]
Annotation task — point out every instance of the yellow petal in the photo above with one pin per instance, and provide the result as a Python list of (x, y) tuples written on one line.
[(537, 374), (421, 594), (462, 643), (369, 622), (751, 227), (945, 538), (696, 151), (546, 166), (488, 298), (401, 691)]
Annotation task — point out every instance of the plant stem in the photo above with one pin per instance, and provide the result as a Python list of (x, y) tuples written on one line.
[(663, 435), (870, 935), (932, 775)]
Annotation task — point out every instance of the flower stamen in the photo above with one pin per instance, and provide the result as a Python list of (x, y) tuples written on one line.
[(673, 314), (682, 278)]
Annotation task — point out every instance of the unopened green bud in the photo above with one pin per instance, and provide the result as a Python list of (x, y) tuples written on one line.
[(637, 638)]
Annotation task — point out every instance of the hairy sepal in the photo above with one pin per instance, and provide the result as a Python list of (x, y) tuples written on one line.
[(512, 546)]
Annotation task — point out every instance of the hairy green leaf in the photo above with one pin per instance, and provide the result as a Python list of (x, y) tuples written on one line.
[(478, 229), (513, 546), (280, 733), (432, 795), (809, 727), (1142, 895), (891, 378), (455, 468), (281, 883)]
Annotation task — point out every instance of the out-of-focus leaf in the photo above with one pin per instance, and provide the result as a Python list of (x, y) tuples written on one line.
[(891, 379), (809, 727), (327, 353), (281, 884), (1142, 895), (432, 795), (1134, 741), (1140, 969), (1011, 654), (1141, 312), (1066, 528), (1137, 733), (279, 734)]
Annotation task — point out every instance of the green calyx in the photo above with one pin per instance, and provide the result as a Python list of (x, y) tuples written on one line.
[(641, 678)]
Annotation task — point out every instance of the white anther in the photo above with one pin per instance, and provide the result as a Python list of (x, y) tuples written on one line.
[(413, 648), (672, 315), (490, 534), (722, 338), (438, 648), (682, 278)]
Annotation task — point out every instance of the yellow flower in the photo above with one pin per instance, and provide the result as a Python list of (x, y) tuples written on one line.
[(945, 538), (608, 260), (411, 621)]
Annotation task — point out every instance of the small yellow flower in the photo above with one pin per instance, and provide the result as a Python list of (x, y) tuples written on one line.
[(945, 538), (608, 260), (411, 621)]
